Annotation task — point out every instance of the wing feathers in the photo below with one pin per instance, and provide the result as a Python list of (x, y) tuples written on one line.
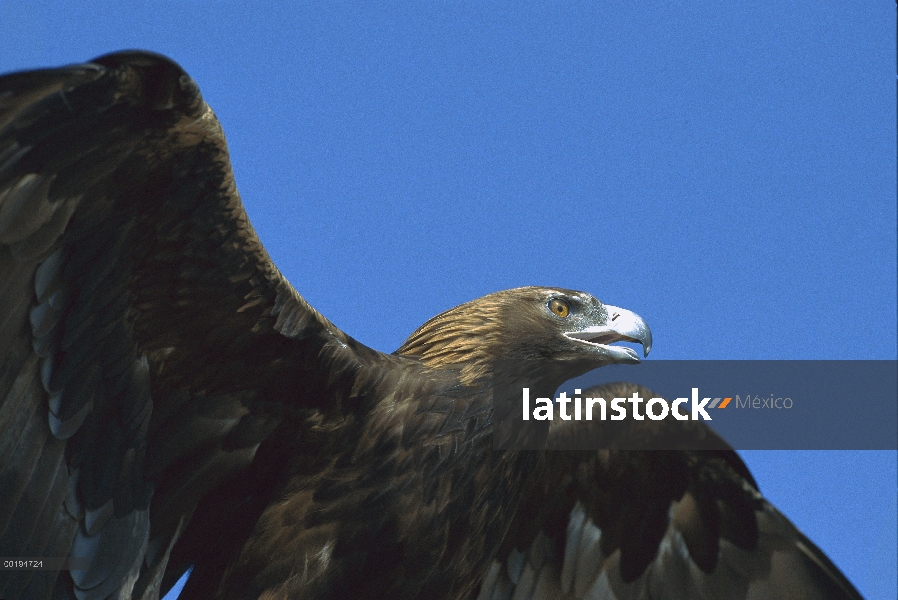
[(573, 537), (14, 301), (25, 439), (661, 525), (132, 288), (113, 551), (697, 521), (42, 240), (22, 537), (24, 207), (41, 539), (589, 555)]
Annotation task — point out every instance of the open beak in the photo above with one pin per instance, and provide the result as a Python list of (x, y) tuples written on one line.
[(621, 326)]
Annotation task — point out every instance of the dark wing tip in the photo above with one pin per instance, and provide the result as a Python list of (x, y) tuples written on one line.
[(161, 82)]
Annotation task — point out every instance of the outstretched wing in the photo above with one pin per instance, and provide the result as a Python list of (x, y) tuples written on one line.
[(148, 345), (625, 524)]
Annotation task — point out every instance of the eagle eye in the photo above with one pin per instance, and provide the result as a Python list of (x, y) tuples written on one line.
[(559, 307)]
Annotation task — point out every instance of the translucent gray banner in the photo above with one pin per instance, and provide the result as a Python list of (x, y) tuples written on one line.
[(752, 405)]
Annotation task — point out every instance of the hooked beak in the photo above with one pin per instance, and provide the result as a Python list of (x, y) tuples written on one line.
[(622, 326)]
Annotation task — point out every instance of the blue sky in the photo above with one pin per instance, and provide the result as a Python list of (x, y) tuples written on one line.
[(726, 170)]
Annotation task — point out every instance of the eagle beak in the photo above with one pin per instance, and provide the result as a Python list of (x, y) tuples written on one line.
[(621, 326)]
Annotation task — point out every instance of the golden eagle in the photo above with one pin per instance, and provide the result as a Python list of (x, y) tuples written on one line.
[(168, 401)]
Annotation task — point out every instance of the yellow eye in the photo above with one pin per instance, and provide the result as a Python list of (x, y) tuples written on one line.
[(559, 307)]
